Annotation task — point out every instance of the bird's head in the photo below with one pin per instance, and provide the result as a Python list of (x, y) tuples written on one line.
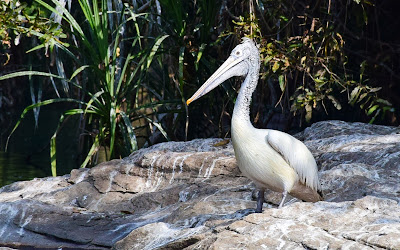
[(242, 57)]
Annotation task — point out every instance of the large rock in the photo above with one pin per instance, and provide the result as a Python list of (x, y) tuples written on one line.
[(191, 195)]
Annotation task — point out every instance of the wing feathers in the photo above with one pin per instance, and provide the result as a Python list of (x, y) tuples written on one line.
[(297, 155)]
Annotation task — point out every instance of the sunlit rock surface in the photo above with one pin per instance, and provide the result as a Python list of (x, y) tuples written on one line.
[(191, 195)]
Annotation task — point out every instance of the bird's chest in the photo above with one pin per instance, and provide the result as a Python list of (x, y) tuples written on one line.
[(258, 161), (254, 158), (250, 155)]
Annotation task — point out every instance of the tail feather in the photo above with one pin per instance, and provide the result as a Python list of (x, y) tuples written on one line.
[(305, 193)]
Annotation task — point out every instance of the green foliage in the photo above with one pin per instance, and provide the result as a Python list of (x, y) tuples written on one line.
[(306, 58), (20, 19), (107, 79), (190, 26), (124, 79)]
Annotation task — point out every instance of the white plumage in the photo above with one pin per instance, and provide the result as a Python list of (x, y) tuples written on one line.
[(270, 158)]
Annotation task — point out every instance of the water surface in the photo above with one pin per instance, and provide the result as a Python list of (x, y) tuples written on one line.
[(18, 167)]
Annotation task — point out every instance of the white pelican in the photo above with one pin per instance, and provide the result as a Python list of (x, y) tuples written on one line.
[(270, 158)]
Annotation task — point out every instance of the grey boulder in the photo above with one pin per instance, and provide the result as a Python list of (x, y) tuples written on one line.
[(191, 195)]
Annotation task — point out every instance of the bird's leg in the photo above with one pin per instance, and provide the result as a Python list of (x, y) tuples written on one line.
[(260, 201), (283, 199)]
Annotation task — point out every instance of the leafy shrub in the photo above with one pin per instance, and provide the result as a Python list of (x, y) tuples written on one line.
[(306, 57)]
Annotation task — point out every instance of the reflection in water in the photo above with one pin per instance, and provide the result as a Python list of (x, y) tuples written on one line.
[(17, 167), (28, 154)]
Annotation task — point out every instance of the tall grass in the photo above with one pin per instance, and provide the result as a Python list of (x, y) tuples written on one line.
[(105, 80)]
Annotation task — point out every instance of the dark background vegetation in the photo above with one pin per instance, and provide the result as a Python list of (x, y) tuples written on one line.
[(321, 60)]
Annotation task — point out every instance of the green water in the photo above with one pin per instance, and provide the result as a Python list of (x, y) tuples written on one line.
[(18, 167), (28, 154)]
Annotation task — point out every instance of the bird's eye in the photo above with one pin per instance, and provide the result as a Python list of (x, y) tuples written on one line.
[(238, 53)]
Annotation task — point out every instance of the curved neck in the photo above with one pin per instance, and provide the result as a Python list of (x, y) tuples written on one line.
[(242, 105)]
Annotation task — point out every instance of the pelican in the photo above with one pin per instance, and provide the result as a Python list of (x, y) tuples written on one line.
[(271, 159)]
